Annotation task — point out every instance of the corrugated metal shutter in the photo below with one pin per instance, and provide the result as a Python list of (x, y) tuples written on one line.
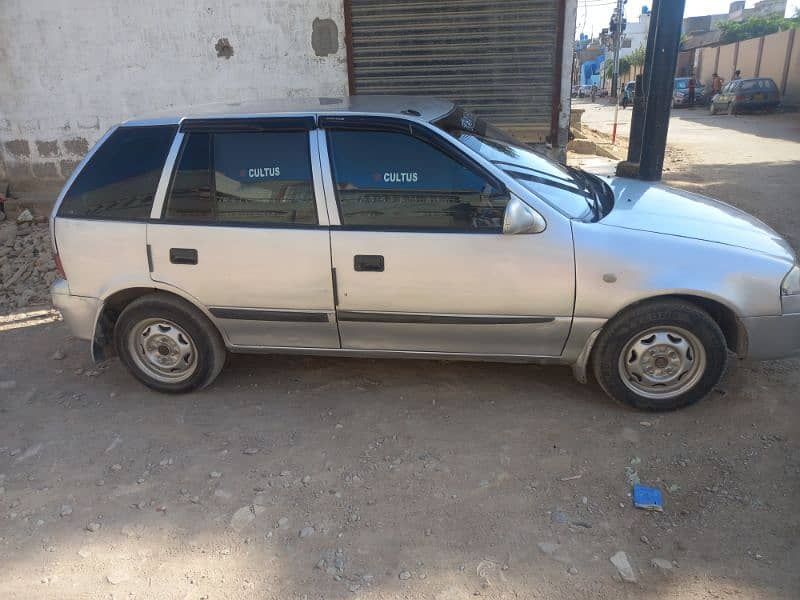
[(496, 58)]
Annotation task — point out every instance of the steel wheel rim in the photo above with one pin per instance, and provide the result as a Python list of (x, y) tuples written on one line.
[(662, 362), (163, 350)]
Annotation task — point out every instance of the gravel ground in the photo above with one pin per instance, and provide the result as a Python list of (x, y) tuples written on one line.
[(314, 478)]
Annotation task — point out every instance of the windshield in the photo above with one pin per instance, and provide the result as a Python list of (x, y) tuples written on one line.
[(577, 194)]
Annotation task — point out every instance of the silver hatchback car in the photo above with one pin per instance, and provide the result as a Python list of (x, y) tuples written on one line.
[(405, 227)]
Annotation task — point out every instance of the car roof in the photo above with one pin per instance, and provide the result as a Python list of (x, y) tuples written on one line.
[(422, 107)]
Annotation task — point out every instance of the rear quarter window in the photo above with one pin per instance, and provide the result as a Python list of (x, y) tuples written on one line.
[(120, 180)]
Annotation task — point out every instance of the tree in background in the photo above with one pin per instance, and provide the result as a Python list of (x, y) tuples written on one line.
[(736, 31), (632, 62)]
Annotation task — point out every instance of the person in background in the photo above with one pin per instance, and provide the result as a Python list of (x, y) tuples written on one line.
[(716, 83), (737, 75), (692, 86)]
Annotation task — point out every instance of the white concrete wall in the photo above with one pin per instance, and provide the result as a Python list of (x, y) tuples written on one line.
[(69, 69)]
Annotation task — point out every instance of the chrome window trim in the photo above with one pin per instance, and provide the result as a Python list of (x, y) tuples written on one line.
[(76, 171), (327, 180), (317, 178), (166, 176)]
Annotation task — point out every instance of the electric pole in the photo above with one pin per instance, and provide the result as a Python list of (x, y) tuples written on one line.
[(617, 25), (616, 30)]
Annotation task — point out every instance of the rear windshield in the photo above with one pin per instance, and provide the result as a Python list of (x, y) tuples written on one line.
[(757, 84), (120, 180)]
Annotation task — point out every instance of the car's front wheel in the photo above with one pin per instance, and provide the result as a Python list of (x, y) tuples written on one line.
[(660, 355), (168, 344)]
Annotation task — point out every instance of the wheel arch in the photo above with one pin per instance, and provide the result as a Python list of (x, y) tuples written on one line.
[(114, 302), (725, 317)]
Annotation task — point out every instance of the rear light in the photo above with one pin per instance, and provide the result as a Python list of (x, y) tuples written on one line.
[(59, 266)]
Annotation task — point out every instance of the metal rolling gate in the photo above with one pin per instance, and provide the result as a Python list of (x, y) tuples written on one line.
[(496, 58)]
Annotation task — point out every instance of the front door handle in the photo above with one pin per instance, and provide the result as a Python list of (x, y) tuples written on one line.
[(368, 262), (183, 256)]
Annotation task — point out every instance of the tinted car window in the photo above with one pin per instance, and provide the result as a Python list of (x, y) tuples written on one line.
[(262, 178), (120, 180), (394, 180)]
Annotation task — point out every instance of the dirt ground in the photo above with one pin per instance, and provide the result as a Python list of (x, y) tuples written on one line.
[(315, 478)]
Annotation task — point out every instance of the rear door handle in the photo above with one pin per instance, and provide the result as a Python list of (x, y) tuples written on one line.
[(368, 262), (183, 256)]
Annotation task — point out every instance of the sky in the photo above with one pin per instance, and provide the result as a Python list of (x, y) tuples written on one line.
[(593, 15)]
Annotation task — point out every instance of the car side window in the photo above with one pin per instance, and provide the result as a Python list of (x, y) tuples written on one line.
[(389, 179), (120, 179), (261, 178)]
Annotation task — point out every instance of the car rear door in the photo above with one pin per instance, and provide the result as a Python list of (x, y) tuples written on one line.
[(421, 262), (243, 229)]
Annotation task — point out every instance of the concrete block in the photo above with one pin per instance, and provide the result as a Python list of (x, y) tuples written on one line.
[(68, 166), (89, 123), (47, 149), (46, 170), (582, 147), (18, 171), (18, 148), (30, 126), (76, 146)]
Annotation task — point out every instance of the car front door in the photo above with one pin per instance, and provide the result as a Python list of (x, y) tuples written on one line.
[(243, 231), (420, 259)]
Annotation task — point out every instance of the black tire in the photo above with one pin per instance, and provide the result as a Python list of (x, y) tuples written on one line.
[(210, 354), (616, 335)]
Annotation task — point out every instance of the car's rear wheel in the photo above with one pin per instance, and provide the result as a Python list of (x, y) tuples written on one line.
[(660, 355), (168, 345)]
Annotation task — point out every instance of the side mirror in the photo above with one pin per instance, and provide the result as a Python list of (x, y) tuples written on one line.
[(521, 218)]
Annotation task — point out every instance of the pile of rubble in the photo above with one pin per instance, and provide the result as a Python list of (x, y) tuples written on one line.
[(27, 267)]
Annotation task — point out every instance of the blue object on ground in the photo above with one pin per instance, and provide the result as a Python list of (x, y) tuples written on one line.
[(648, 498)]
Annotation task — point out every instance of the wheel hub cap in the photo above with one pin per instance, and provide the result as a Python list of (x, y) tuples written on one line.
[(163, 350), (662, 362)]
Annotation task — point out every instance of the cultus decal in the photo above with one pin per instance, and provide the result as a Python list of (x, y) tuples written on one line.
[(400, 177), (261, 172)]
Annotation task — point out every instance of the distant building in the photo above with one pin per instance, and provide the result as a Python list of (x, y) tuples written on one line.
[(636, 33), (736, 12)]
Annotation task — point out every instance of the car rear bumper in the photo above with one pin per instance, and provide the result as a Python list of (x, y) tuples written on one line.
[(79, 311), (773, 337)]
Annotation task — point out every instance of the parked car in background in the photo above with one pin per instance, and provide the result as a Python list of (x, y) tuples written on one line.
[(681, 96), (743, 95), (402, 226)]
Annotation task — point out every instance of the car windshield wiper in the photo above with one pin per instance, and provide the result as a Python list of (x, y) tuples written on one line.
[(592, 195)]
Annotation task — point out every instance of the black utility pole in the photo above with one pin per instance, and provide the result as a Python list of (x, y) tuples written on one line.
[(642, 82), (650, 119)]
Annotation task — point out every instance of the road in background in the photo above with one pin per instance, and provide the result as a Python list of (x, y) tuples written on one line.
[(751, 161)]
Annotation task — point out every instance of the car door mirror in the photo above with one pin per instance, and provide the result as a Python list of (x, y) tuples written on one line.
[(521, 218)]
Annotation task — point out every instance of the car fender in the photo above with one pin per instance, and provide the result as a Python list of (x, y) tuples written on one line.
[(618, 267)]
